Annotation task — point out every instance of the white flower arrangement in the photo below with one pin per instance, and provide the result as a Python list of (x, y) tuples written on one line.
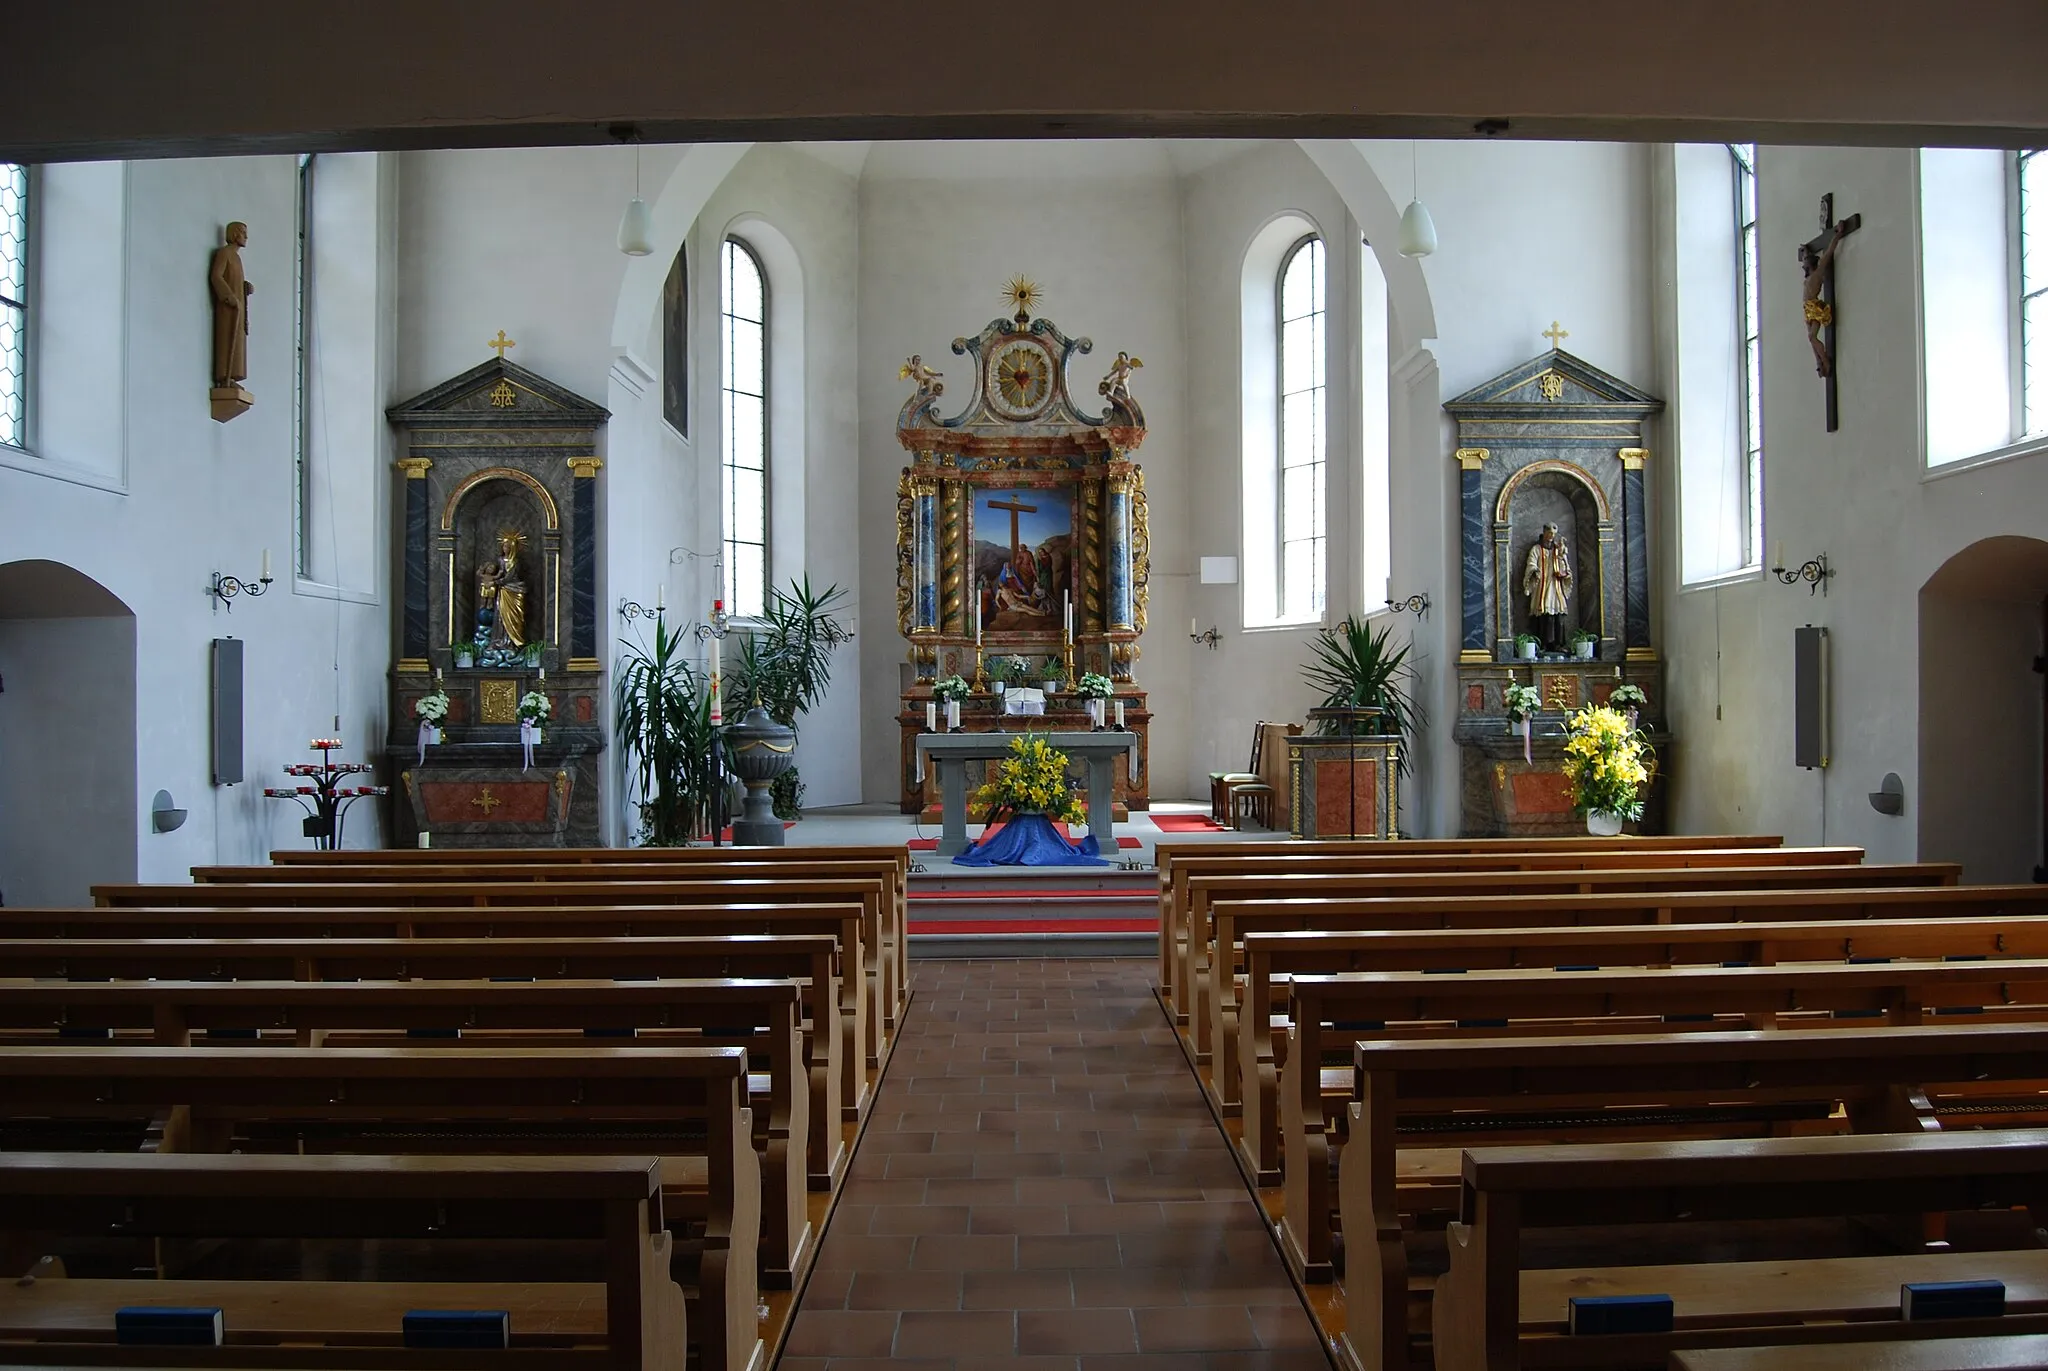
[(1017, 667), (1522, 701), (1095, 686), (948, 689), (1628, 696), (534, 707), (432, 708)]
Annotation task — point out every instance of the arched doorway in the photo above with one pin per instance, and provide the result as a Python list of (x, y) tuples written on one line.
[(68, 802), (1982, 764)]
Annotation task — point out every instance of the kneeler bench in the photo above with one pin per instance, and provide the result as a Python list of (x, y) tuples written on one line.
[(1924, 1354), (1417, 1105), (628, 1315), (685, 1103), (1492, 1314)]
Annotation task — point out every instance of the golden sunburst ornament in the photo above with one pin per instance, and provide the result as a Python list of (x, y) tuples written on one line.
[(1023, 295)]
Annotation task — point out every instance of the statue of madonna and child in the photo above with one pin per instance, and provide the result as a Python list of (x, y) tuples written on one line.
[(500, 634)]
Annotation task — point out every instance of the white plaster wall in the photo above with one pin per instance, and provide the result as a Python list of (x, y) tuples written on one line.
[(199, 497), (1862, 496), (1102, 232), (65, 818)]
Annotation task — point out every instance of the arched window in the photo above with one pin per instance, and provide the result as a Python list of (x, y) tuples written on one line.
[(1752, 368), (2032, 210), (13, 305), (1303, 387), (744, 492)]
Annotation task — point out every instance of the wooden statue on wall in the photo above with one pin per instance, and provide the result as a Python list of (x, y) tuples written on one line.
[(230, 291)]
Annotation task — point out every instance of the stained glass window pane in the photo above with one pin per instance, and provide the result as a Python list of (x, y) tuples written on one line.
[(1303, 443), (744, 486)]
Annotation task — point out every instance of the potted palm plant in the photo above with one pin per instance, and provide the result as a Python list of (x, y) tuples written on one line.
[(785, 665), (1357, 667), (664, 722)]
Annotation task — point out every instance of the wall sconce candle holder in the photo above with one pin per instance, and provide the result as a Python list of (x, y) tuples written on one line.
[(1814, 571), (629, 610), (1417, 604), (1209, 636), (225, 588)]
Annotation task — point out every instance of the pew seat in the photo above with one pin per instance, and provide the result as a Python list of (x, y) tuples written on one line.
[(1922, 1354)]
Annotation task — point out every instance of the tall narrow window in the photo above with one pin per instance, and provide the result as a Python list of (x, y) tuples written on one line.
[(2033, 311), (1303, 391), (744, 496), (13, 305), (1752, 370)]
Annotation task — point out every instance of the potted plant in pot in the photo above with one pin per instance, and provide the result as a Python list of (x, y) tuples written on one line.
[(664, 722), (1358, 667), (1608, 765), (785, 665), (1052, 672), (1582, 645), (1525, 647)]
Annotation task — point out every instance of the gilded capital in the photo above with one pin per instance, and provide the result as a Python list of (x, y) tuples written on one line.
[(585, 466), (415, 468), (1632, 458), (1469, 458)]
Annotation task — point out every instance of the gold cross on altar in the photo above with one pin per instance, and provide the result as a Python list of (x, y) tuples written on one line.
[(486, 801), (1553, 333), (501, 342)]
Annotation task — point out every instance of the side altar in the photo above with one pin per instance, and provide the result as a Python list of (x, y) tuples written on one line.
[(1554, 550), (498, 598), (1022, 531)]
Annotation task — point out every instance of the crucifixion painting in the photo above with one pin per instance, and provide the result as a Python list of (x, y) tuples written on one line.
[(1019, 580), (1817, 264)]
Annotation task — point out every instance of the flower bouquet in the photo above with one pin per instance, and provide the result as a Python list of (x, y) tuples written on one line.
[(1097, 690), (1031, 780), (1607, 764), (949, 691), (1522, 702), (432, 711), (534, 710)]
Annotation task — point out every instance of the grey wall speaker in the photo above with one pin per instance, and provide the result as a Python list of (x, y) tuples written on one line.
[(227, 711), (1810, 696)]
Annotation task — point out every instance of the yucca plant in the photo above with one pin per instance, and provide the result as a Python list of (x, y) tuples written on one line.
[(785, 665), (1358, 667), (664, 723)]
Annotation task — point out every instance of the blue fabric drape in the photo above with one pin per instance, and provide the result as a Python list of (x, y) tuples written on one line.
[(1031, 840)]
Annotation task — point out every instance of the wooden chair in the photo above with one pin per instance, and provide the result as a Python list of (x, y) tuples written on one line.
[(1223, 783)]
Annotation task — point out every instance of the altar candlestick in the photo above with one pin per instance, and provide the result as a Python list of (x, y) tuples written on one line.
[(717, 693), (1068, 613)]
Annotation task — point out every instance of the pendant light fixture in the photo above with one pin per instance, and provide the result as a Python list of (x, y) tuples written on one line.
[(636, 225), (1418, 230)]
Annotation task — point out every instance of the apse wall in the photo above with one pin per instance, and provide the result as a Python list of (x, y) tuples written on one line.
[(1861, 495), (1099, 226), (135, 486)]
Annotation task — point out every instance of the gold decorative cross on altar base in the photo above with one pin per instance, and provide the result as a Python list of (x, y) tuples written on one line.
[(486, 801), (501, 342)]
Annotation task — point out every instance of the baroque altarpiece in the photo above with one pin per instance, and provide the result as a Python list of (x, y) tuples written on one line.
[(1553, 443), (498, 598), (1022, 503)]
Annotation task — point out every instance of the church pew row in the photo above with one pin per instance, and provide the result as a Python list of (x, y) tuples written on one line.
[(1928, 1353), (1605, 1000), (808, 961), (1175, 860), (890, 864), (686, 1104), (234, 918), (1491, 1314), (707, 891), (490, 1014), (1414, 1104), (1205, 892), (591, 891), (625, 1313), (1550, 920)]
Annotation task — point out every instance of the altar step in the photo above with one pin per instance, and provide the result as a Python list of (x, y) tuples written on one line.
[(1033, 912)]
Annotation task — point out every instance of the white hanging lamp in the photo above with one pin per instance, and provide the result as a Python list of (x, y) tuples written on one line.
[(636, 225), (1418, 230)]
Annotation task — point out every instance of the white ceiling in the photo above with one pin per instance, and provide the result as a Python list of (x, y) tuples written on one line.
[(1106, 159)]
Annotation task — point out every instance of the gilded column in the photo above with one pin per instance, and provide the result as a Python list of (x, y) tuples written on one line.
[(1472, 555), (412, 655), (582, 652), (1116, 552)]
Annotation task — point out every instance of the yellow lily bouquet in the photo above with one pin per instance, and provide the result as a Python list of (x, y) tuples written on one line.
[(1607, 762), (1032, 779)]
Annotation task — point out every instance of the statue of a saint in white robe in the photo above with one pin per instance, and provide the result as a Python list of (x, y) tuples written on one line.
[(1547, 581)]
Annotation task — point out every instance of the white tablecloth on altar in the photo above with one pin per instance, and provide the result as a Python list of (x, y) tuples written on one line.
[(1023, 700)]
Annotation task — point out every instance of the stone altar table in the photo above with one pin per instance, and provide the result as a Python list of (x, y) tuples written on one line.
[(949, 753)]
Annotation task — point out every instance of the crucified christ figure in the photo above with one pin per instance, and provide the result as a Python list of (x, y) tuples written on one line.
[(1819, 270)]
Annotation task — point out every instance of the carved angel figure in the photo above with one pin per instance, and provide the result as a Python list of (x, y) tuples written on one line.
[(1116, 386), (928, 382)]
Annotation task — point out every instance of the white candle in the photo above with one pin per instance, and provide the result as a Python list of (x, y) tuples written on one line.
[(717, 696), (424, 836), (1119, 713), (977, 630), (931, 716), (1778, 554), (1193, 630), (1390, 590), (543, 675), (266, 564), (661, 597), (1068, 596)]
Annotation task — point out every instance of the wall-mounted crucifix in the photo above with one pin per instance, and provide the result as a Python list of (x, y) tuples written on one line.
[(1817, 262)]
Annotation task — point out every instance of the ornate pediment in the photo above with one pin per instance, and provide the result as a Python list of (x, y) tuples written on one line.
[(1556, 384), (498, 393)]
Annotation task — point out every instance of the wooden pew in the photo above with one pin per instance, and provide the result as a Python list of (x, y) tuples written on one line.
[(1414, 1104), (809, 960), (1175, 860), (1645, 873), (1615, 999), (233, 918), (1551, 916), (172, 1011), (750, 892), (1491, 1313), (1934, 1353), (626, 1315), (890, 864)]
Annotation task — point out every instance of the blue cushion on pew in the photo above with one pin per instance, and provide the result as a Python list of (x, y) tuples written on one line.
[(458, 1328), (216, 1035), (1482, 1023), (433, 1032), (1688, 1018), (1444, 970), (167, 1326), (610, 1032), (1588, 967), (1595, 1314), (1952, 1300), (1960, 1009), (94, 1035)]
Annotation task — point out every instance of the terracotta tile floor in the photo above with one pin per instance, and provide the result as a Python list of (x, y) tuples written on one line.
[(1042, 1189)]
